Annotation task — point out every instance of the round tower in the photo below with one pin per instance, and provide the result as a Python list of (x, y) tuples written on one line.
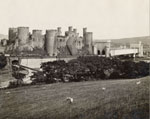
[(89, 42), (23, 35), (12, 34), (88, 38), (71, 45), (84, 32), (50, 41)]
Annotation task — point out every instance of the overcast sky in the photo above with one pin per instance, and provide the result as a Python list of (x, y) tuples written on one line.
[(107, 19)]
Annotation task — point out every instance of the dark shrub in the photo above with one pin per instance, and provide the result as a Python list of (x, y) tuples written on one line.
[(3, 61), (91, 68)]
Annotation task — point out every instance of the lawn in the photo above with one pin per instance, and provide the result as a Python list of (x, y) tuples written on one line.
[(122, 99)]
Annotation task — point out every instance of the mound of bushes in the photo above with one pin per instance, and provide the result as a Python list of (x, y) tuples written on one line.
[(90, 68)]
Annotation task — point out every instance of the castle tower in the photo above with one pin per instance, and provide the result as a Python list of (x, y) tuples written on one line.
[(89, 42), (50, 41), (70, 28), (59, 31), (23, 35), (12, 34)]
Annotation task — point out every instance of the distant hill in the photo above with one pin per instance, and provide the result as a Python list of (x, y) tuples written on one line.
[(126, 41), (2, 36), (144, 40)]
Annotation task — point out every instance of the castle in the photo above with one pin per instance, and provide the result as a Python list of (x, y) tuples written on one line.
[(53, 43)]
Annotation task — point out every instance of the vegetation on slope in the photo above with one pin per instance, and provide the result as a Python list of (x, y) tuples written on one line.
[(90, 68)]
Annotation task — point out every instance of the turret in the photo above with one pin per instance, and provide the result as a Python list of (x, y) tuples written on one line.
[(84, 32), (140, 49), (59, 31), (70, 28), (107, 50), (75, 30)]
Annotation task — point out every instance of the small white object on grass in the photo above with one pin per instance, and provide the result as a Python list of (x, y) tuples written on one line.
[(69, 99), (138, 82), (7, 92), (103, 88)]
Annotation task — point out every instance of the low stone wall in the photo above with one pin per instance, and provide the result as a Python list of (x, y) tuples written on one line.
[(36, 62)]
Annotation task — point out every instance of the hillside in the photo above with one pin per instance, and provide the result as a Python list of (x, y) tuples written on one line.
[(126, 41), (122, 99), (144, 39), (2, 36)]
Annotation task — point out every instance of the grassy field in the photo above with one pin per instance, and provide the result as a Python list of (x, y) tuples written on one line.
[(5, 75), (122, 99)]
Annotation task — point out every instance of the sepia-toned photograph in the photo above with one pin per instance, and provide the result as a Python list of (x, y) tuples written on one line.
[(74, 59)]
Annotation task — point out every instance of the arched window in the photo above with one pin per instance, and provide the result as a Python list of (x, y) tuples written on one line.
[(15, 62), (98, 52), (103, 52)]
